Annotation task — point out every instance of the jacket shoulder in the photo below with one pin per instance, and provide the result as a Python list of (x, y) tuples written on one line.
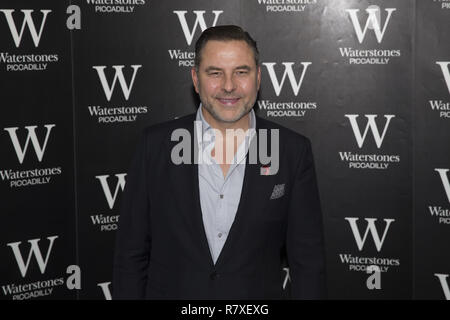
[(164, 129)]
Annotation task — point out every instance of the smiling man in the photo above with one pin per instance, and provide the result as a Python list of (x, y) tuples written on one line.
[(227, 78), (227, 81), (220, 229)]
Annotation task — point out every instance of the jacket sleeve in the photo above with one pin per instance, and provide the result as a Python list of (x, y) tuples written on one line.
[(304, 242), (133, 238)]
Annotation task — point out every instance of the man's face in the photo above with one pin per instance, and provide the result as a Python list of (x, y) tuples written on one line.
[(227, 79)]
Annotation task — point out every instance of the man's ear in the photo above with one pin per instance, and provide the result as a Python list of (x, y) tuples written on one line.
[(194, 76)]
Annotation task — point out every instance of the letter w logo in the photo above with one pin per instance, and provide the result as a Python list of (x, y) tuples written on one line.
[(31, 136), (199, 20), (289, 72), (445, 72), (373, 127), (105, 289), (444, 284), (35, 250), (28, 20), (373, 22), (370, 228), (126, 89), (111, 199), (445, 182)]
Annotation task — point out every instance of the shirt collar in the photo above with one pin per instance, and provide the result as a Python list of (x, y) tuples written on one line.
[(206, 126), (243, 148)]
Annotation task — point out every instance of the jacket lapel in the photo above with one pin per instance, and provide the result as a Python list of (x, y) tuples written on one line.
[(255, 189), (184, 181)]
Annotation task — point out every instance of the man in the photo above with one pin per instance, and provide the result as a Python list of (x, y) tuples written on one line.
[(215, 229)]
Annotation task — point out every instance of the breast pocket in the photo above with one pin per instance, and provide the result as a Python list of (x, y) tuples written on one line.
[(276, 205), (276, 209)]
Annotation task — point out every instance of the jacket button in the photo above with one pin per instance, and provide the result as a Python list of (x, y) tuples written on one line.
[(214, 276)]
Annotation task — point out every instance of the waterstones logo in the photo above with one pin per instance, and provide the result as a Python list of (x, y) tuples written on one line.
[(199, 21), (31, 290), (280, 6), (185, 57), (373, 22), (357, 263), (443, 281), (441, 107), (118, 75), (442, 214), (438, 105), (28, 22), (105, 290), (31, 177), (35, 251), (120, 185), (109, 222), (115, 6), (445, 72), (368, 161), (26, 62), (20, 152), (116, 114), (37, 176), (444, 4), (38, 288), (371, 228), (105, 223), (287, 108)]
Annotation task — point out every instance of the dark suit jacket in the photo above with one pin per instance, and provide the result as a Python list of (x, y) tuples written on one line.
[(161, 247)]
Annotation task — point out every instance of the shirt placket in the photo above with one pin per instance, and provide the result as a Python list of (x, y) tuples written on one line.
[(220, 214)]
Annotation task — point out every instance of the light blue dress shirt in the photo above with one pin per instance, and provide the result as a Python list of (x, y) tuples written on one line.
[(219, 195)]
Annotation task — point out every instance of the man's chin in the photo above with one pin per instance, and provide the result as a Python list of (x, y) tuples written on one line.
[(227, 116), (229, 119), (233, 120)]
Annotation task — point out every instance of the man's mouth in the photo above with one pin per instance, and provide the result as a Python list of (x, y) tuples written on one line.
[(228, 101)]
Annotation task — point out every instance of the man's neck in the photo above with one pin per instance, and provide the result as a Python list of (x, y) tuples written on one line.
[(243, 123)]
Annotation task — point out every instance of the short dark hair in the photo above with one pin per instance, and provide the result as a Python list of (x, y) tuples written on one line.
[(224, 33)]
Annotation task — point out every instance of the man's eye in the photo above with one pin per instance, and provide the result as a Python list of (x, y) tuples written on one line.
[(216, 73), (242, 72)]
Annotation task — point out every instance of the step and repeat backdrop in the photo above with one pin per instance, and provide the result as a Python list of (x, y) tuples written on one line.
[(367, 81)]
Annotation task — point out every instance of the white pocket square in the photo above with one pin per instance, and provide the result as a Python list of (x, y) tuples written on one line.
[(278, 191)]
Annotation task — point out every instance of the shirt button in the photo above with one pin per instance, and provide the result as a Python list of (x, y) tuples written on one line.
[(221, 196), (220, 235)]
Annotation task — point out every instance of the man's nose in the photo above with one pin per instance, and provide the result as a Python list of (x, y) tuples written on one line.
[(229, 83)]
